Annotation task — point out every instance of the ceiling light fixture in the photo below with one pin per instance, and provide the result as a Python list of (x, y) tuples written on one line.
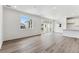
[(11, 6), (14, 6), (54, 7)]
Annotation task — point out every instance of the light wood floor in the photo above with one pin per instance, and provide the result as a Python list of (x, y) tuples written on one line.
[(46, 43)]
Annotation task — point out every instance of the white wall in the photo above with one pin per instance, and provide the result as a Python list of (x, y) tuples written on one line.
[(57, 28), (12, 25), (52, 12), (55, 24), (62, 21), (1, 24)]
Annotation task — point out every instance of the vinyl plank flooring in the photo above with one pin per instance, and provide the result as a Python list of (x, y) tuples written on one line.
[(45, 43)]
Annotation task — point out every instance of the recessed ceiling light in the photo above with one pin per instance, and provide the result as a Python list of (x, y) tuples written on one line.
[(8, 5), (72, 13), (54, 7), (11, 6), (14, 6)]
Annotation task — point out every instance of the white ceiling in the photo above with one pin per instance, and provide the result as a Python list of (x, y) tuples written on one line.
[(51, 11)]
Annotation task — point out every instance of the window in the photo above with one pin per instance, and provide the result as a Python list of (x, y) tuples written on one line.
[(26, 22), (24, 19)]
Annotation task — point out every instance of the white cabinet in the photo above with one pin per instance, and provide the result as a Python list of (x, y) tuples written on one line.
[(72, 27), (72, 23), (71, 33)]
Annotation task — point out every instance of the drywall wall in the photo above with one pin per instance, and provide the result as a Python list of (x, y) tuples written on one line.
[(12, 24), (56, 12), (55, 24), (62, 21), (1, 24)]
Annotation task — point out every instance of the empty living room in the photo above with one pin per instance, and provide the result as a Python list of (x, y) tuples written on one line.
[(39, 28)]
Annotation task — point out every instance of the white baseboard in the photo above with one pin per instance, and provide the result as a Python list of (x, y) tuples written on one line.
[(24, 37)]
